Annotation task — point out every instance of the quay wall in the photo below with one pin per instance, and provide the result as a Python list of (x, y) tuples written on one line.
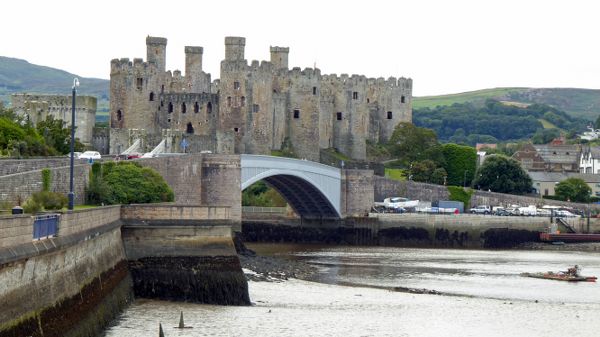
[(73, 284)]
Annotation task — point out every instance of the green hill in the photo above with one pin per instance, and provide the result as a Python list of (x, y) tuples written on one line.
[(584, 103), (19, 76)]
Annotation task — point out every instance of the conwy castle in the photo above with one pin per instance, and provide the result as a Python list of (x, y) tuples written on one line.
[(253, 108)]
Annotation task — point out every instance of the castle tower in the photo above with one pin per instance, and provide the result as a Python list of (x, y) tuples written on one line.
[(279, 57), (234, 48), (193, 61), (156, 52)]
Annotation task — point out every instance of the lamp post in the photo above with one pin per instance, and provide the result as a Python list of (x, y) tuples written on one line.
[(71, 193)]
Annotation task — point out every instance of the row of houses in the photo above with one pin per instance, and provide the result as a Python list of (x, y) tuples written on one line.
[(549, 164)]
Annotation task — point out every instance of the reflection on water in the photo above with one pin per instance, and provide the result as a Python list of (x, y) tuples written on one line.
[(498, 301)]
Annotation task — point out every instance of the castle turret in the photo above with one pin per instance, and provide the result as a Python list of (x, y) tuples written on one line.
[(234, 48), (193, 61), (279, 57), (156, 52)]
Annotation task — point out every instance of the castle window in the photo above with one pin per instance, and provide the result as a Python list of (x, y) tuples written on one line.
[(190, 128), (139, 83), (196, 107), (236, 85), (183, 108), (170, 107), (169, 120), (402, 99), (314, 90), (119, 115), (389, 115), (162, 103), (162, 88), (229, 101), (209, 108), (296, 113), (368, 100), (338, 116), (355, 95), (236, 129), (243, 101), (255, 108), (151, 96)]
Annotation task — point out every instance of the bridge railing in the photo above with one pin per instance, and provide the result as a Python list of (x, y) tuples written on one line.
[(269, 210)]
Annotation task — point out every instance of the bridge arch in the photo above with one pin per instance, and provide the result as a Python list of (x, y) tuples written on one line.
[(313, 190)]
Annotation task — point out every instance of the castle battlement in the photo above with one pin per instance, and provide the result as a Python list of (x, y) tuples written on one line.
[(258, 105), (194, 50)]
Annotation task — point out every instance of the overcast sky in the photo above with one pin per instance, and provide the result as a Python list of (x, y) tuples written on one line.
[(444, 46)]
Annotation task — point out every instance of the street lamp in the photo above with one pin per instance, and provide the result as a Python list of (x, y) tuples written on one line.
[(71, 193)]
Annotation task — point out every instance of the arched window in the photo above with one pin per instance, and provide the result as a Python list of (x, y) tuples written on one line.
[(228, 101), (243, 101), (196, 107), (183, 108), (209, 107), (190, 128), (151, 96), (170, 107), (119, 115)]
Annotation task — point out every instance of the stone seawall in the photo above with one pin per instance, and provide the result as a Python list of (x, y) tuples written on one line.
[(409, 230), (70, 285), (184, 253)]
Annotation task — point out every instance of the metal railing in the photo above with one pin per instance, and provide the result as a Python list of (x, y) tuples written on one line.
[(271, 210), (45, 226)]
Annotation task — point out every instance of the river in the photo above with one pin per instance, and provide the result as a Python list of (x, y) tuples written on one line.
[(352, 295)]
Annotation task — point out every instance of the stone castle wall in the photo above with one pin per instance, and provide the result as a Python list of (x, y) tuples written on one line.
[(38, 107), (258, 105)]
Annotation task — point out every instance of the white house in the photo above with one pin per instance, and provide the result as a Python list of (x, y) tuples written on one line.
[(589, 162)]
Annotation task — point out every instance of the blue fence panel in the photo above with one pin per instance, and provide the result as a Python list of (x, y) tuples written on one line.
[(45, 226)]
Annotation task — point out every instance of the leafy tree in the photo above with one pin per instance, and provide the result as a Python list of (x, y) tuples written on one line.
[(545, 136), (410, 143), (502, 174), (260, 194), (573, 189), (128, 183), (460, 164), (57, 135)]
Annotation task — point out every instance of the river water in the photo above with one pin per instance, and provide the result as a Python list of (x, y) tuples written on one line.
[(352, 295)]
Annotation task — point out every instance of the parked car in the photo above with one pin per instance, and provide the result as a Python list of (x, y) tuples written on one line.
[(481, 209), (134, 155), (75, 155), (90, 155), (566, 214), (503, 212)]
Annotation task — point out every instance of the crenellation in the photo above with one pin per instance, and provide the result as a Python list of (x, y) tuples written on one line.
[(255, 107)]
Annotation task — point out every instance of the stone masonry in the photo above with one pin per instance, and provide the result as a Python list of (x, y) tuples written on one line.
[(37, 107), (253, 108)]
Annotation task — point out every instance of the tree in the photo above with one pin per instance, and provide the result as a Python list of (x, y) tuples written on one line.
[(410, 143), (499, 173), (573, 189), (460, 164), (545, 136), (57, 135), (128, 183)]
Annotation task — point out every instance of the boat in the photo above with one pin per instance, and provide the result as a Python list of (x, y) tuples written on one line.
[(561, 276)]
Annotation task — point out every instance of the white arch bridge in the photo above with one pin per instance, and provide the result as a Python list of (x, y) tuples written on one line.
[(313, 190)]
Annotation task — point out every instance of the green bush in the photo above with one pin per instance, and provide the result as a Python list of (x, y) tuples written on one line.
[(31, 206), (50, 200), (460, 194), (460, 164), (126, 183)]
